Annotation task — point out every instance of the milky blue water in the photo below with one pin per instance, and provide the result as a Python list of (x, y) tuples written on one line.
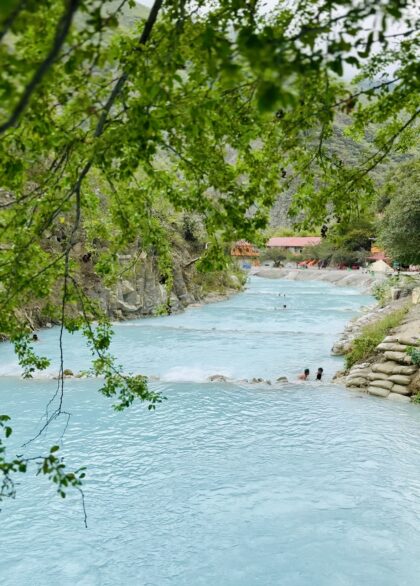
[(225, 484)]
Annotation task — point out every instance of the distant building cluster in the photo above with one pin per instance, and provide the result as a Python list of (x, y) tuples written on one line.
[(246, 254), (294, 244)]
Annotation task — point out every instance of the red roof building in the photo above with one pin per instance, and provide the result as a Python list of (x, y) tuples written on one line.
[(246, 253), (293, 243)]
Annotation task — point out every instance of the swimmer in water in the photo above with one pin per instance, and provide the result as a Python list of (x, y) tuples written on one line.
[(304, 375), (319, 373)]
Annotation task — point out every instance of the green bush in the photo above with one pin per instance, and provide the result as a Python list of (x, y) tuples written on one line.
[(414, 353), (220, 281), (381, 292), (277, 255), (364, 345)]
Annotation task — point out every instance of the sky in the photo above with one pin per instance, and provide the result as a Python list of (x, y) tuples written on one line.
[(349, 71)]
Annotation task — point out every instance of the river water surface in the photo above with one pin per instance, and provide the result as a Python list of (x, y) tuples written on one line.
[(225, 484)]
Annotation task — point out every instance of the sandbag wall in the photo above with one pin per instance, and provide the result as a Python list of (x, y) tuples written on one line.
[(393, 375)]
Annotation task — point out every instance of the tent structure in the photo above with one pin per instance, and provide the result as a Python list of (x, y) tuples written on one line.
[(380, 266)]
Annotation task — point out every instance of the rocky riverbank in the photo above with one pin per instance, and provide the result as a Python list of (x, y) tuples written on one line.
[(341, 278), (140, 291), (369, 316)]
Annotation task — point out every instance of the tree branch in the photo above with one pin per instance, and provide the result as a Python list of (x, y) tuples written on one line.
[(61, 34), (8, 22), (124, 76)]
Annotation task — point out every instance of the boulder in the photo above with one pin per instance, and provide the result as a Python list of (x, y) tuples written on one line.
[(383, 384), (401, 357), (217, 378), (378, 392), (400, 379), (132, 298), (340, 348), (126, 307), (397, 397), (126, 287), (234, 281), (401, 390), (282, 379)]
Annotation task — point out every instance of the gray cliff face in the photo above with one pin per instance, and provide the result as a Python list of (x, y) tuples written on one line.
[(142, 293), (140, 290)]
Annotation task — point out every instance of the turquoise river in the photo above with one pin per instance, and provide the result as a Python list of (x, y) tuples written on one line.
[(226, 484)]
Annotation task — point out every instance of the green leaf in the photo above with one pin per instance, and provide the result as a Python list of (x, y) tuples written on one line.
[(268, 96)]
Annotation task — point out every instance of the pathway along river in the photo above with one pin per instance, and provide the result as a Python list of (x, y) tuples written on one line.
[(225, 484)]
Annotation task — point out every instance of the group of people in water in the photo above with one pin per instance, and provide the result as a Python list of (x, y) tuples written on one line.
[(305, 374)]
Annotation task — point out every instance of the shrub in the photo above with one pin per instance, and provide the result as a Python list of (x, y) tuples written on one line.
[(322, 251), (277, 255), (381, 292), (371, 335), (414, 353), (357, 239)]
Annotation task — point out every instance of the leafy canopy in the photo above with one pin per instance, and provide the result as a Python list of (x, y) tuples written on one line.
[(208, 108)]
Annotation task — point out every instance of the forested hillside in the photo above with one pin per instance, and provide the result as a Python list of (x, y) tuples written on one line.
[(351, 151)]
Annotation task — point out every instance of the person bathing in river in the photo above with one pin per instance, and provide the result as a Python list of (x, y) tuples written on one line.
[(304, 375), (319, 373)]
